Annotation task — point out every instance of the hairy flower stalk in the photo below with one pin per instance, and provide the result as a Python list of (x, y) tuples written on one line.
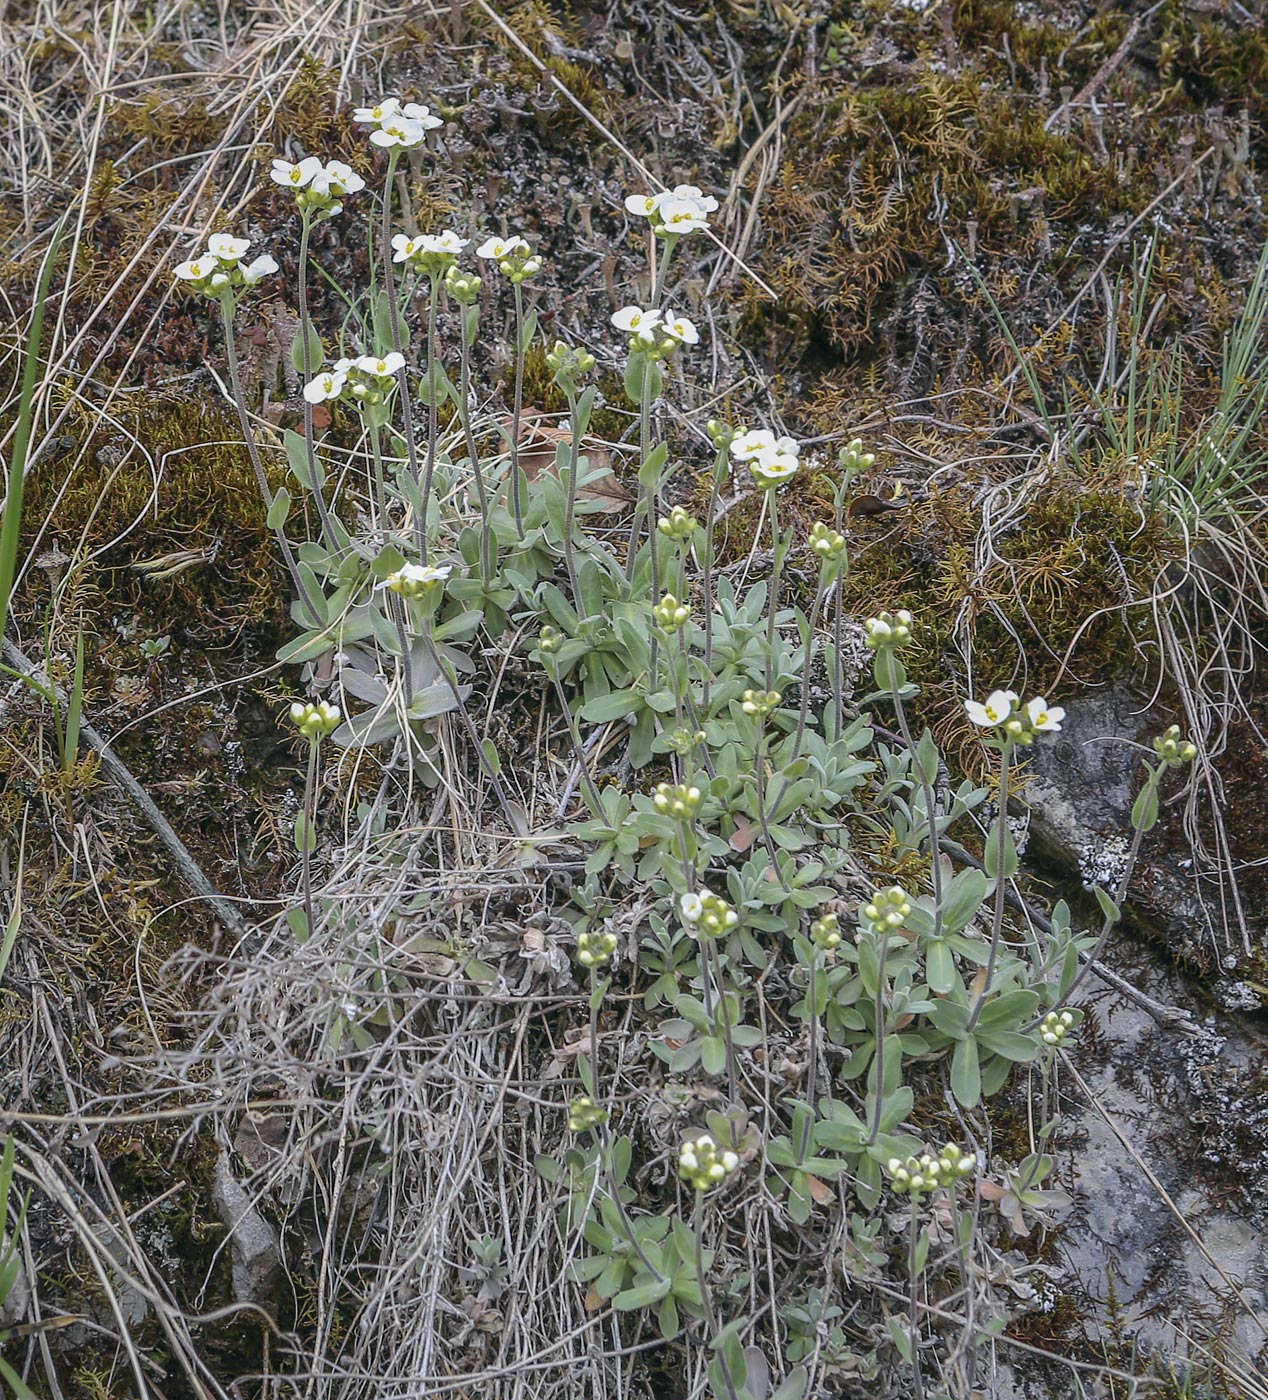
[(1009, 724), (548, 643), (720, 434), (883, 915), (517, 412), (464, 288), (407, 406), (316, 616), (307, 369), (314, 722), (886, 634)]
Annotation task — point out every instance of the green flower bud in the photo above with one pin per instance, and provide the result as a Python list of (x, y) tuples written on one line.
[(702, 1164), (677, 800), (1174, 751), (669, 614), (826, 932), (315, 721), (584, 1114), (760, 703), (888, 630)]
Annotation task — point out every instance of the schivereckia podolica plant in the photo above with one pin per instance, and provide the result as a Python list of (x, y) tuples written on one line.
[(722, 912)]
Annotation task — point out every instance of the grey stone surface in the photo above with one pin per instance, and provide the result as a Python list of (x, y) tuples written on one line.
[(254, 1241)]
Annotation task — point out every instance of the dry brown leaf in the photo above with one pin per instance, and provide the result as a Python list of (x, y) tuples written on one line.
[(538, 446)]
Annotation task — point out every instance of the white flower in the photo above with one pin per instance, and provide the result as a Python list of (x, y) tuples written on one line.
[(399, 131), (194, 270), (342, 366), (634, 320), (414, 579), (644, 204), (772, 466), (295, 176), (1042, 719), (691, 194), (263, 266), (325, 387), (336, 179), (998, 707), (762, 442), (498, 248), (690, 906), (682, 330), (681, 216), (383, 110), (390, 364), (446, 242), (227, 248), (404, 247), (423, 115)]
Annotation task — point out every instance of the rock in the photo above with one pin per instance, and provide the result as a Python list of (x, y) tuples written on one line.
[(257, 1256)]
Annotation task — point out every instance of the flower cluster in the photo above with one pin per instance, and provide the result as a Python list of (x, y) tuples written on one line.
[(220, 272), (656, 334), (679, 525), (397, 124), (417, 580), (759, 703), (1174, 751), (670, 615), (770, 458), (595, 949), (888, 631), (464, 287), (914, 1176), (365, 381), (315, 721), (432, 254), (701, 1164), (674, 213), (515, 259), (827, 543), (584, 1114), (549, 640), (708, 914), (677, 800), (826, 933), (1015, 722), (1053, 1027), (886, 911), (319, 186), (568, 364), (854, 460)]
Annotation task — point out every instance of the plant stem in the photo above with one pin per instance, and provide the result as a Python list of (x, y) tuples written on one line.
[(310, 836), (253, 452), (773, 602), (719, 468), (570, 502), (997, 919), (878, 1106), (931, 810), (517, 410), (464, 412), (574, 738), (397, 605), (433, 353), (305, 333), (706, 1295), (407, 405), (812, 1005), (917, 1381), (378, 486)]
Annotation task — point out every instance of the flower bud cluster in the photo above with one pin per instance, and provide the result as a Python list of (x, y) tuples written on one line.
[(1053, 1027), (584, 1114), (431, 254), (464, 287), (914, 1176), (760, 703), (886, 911), (568, 364), (315, 721), (319, 186), (701, 1164), (418, 580), (1174, 751), (674, 213), (403, 125), (827, 543), (683, 741), (888, 631), (365, 382), (669, 614), (1020, 724), (679, 525), (721, 433), (549, 640), (826, 933), (708, 914), (769, 458), (220, 271), (854, 460), (514, 258), (595, 949), (656, 334), (677, 800)]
